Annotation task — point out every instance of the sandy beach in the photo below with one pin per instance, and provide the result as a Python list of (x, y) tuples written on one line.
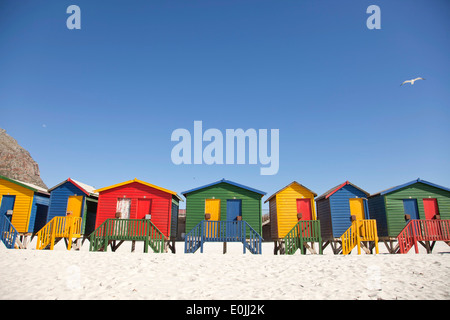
[(61, 274)]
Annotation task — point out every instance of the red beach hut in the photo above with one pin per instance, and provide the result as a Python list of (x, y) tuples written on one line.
[(139, 200)]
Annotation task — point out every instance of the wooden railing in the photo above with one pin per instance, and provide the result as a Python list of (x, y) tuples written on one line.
[(193, 239), (304, 231), (422, 230), (360, 230), (8, 234), (59, 227), (127, 230), (223, 231)]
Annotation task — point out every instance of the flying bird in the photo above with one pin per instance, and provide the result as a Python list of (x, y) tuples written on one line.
[(412, 81)]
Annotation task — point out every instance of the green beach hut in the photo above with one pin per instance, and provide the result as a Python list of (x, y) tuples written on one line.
[(417, 211), (223, 211)]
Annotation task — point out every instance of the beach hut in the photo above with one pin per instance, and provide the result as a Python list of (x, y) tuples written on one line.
[(344, 219), (293, 219), (223, 211), (22, 204), (414, 212), (73, 206), (136, 210)]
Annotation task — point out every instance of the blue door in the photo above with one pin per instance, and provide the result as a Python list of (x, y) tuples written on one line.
[(7, 204), (234, 209), (41, 217), (410, 206)]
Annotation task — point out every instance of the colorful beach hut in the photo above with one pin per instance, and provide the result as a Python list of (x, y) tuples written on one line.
[(72, 210), (293, 220), (22, 204), (223, 211), (136, 210), (415, 212), (344, 219)]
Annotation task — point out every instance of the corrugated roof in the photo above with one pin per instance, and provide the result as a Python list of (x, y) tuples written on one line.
[(418, 180), (335, 189), (141, 182), (26, 185), (89, 190), (224, 181), (293, 182)]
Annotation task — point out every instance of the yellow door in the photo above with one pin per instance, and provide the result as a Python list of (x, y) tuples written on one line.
[(357, 210), (212, 207), (74, 205)]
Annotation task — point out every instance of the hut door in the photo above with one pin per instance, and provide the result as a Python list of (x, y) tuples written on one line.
[(212, 207), (7, 204), (304, 208), (430, 207), (74, 204), (357, 208), (234, 209), (143, 208), (123, 206), (410, 206)]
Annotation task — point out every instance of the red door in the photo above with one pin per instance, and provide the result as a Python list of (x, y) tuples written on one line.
[(143, 208), (304, 207), (430, 207)]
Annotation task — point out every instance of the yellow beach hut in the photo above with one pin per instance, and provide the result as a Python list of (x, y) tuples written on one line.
[(293, 219), (21, 205)]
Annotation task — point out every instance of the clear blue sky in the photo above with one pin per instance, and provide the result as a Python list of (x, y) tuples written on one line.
[(99, 104)]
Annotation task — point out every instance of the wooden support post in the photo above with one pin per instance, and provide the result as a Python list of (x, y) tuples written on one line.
[(427, 246), (52, 239), (376, 245), (358, 236), (202, 236), (133, 245), (106, 235), (224, 247), (146, 242), (432, 246), (23, 241), (69, 245), (324, 245)]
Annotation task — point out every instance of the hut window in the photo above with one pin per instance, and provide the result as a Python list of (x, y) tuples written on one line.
[(123, 206)]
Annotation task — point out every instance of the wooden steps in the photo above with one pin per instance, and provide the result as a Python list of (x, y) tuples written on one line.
[(423, 232), (9, 235), (298, 237), (67, 228), (359, 235), (113, 232), (223, 231)]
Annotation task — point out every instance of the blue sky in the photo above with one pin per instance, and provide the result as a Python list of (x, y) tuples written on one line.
[(99, 104)]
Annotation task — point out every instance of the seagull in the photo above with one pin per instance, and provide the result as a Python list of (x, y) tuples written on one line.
[(412, 81)]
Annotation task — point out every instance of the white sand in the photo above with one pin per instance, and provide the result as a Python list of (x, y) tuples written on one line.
[(60, 274)]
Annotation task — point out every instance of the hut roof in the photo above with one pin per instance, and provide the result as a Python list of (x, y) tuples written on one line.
[(141, 182), (27, 185), (87, 189), (293, 182), (330, 192), (224, 181), (418, 180)]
